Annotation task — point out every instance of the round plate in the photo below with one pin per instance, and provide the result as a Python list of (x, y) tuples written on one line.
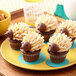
[(11, 56)]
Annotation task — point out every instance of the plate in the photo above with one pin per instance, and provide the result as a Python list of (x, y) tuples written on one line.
[(11, 56)]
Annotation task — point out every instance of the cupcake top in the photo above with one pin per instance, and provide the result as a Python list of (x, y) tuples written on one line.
[(47, 23), (32, 41), (60, 42), (19, 30), (69, 28)]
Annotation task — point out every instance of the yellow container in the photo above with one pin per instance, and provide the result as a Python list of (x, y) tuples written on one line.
[(4, 24), (32, 10), (33, 1)]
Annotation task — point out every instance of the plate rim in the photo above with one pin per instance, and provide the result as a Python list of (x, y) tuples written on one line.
[(44, 69)]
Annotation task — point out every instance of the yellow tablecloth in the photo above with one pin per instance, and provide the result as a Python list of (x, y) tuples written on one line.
[(12, 5)]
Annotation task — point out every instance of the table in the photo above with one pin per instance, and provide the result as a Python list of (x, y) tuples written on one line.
[(11, 70)]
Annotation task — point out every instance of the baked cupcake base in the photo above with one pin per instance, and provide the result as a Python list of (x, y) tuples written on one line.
[(30, 56), (46, 34), (15, 44), (58, 57)]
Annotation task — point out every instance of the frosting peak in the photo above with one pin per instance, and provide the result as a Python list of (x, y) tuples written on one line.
[(70, 26), (35, 40), (62, 41), (19, 30), (50, 22)]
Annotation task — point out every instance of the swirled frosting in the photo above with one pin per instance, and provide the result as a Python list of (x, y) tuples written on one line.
[(35, 40), (62, 41), (70, 26), (19, 30), (50, 22)]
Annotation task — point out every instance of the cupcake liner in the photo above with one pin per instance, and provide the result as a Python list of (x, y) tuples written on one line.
[(15, 44), (57, 59), (30, 58)]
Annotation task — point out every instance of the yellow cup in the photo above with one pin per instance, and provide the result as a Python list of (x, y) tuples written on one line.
[(4, 24)]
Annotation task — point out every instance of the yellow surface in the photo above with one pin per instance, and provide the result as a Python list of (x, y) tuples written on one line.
[(12, 57), (32, 24), (33, 1), (4, 24)]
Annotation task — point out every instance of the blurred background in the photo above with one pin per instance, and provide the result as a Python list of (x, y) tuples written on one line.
[(12, 5)]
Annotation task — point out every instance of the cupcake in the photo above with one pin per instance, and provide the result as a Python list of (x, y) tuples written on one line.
[(31, 46), (16, 33), (46, 26), (59, 45), (69, 28)]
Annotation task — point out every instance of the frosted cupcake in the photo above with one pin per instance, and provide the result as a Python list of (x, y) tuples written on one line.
[(69, 28), (31, 46), (59, 45), (16, 33), (46, 26)]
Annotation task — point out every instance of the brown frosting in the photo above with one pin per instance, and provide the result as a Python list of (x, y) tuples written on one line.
[(9, 34), (47, 33), (53, 47), (26, 46), (41, 27), (64, 30), (13, 41), (73, 39), (58, 53)]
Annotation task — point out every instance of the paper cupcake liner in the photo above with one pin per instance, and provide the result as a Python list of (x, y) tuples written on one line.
[(30, 58), (57, 59), (15, 44)]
